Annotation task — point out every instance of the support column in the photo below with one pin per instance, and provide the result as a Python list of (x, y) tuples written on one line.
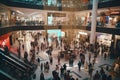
[(112, 47), (94, 20)]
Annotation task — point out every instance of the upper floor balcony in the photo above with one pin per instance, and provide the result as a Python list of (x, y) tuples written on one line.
[(66, 25), (33, 26)]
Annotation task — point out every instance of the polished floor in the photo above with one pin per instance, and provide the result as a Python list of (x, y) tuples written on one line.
[(81, 75)]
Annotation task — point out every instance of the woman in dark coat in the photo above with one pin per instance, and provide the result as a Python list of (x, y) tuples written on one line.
[(42, 76)]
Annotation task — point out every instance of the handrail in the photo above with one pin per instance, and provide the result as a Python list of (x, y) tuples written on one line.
[(20, 61), (6, 75), (11, 60), (13, 65)]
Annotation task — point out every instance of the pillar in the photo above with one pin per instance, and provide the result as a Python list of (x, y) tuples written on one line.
[(94, 20), (45, 18), (112, 47)]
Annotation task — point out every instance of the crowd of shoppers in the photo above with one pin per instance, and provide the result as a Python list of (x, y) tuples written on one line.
[(81, 48)]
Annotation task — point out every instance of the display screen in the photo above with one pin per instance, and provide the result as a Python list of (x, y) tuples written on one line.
[(54, 35), (50, 20)]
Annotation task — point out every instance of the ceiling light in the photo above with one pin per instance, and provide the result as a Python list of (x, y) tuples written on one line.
[(19, 12)]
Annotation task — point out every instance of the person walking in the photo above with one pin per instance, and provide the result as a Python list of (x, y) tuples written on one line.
[(58, 59), (96, 76), (61, 71), (51, 59), (89, 57), (64, 66), (57, 69), (93, 62), (109, 77), (102, 71), (45, 67), (105, 56), (90, 72), (104, 76), (79, 65), (42, 76), (41, 66)]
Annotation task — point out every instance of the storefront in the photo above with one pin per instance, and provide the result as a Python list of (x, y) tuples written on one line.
[(5, 41), (105, 39), (53, 36), (4, 18), (56, 18)]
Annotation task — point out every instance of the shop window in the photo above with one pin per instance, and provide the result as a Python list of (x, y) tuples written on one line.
[(49, 2), (52, 2)]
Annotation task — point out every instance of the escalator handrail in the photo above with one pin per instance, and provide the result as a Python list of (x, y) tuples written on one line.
[(21, 62), (15, 62), (7, 75), (13, 65), (16, 59)]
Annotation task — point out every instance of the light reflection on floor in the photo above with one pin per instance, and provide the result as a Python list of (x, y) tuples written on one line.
[(74, 66)]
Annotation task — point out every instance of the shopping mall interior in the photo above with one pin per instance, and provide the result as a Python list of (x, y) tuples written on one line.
[(59, 39)]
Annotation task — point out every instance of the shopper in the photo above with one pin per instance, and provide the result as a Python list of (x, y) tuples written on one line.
[(89, 57), (47, 67), (64, 66), (42, 76), (102, 71), (23, 46), (118, 23), (51, 59), (25, 56), (104, 76), (58, 59), (61, 71), (57, 69), (90, 72), (93, 62), (96, 76), (71, 78), (109, 77), (105, 55), (79, 65), (41, 66)]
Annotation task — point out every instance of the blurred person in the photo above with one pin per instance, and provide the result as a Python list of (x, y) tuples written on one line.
[(41, 66), (61, 71), (118, 23), (104, 76), (105, 55), (51, 59), (42, 76), (96, 76), (58, 59), (79, 65), (109, 77), (65, 67), (89, 57)]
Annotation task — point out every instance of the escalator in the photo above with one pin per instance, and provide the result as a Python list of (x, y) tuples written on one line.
[(29, 66), (4, 76), (13, 68)]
